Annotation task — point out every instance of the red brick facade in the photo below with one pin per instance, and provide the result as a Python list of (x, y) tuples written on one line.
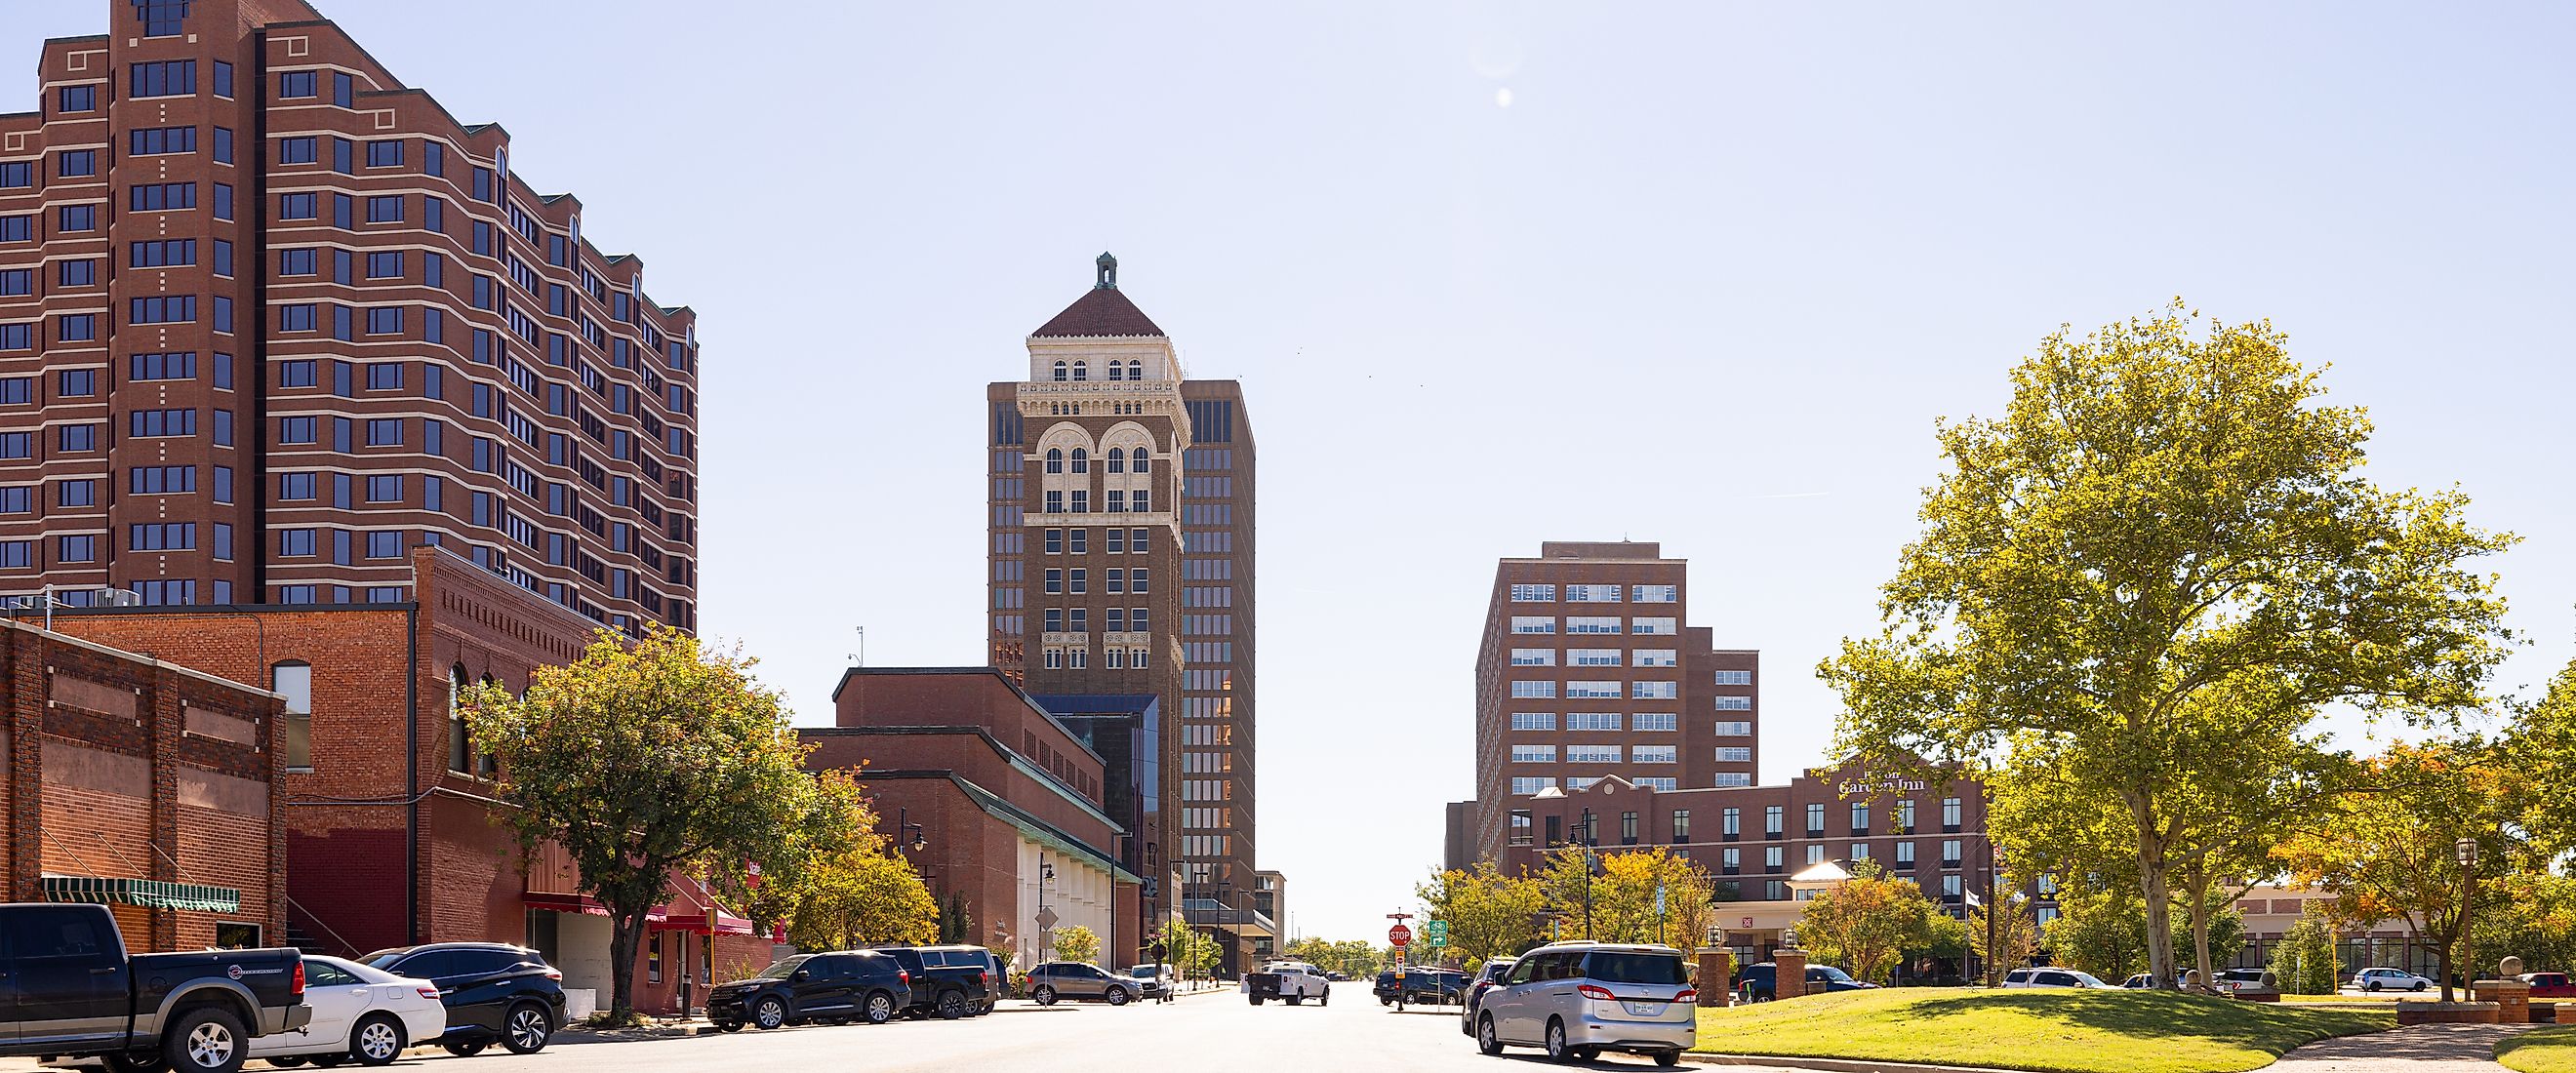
[(270, 318), (997, 787), (388, 844), (126, 767)]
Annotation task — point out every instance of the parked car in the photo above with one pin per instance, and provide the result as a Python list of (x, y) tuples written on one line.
[(2382, 978), (2549, 984), (1292, 982), (1580, 999), (950, 981), (493, 992), (72, 991), (2144, 981), (1079, 981), (362, 1014), (1759, 981), (1157, 979), (2052, 976), (1487, 975), (1420, 984), (834, 987), (1337, 977)]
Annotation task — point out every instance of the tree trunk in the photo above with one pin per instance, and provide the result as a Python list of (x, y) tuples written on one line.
[(624, 934), (2151, 873), (2199, 891)]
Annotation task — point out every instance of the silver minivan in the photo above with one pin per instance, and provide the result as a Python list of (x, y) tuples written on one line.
[(1580, 999)]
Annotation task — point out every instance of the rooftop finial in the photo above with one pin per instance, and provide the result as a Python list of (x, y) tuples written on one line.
[(1108, 280)]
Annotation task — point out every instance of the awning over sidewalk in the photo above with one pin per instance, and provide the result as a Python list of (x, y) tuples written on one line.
[(583, 903), (148, 893)]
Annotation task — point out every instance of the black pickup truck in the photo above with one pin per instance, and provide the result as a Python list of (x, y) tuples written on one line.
[(76, 994)]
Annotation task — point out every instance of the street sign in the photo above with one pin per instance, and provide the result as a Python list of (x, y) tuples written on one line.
[(1046, 916), (1399, 935), (1437, 932)]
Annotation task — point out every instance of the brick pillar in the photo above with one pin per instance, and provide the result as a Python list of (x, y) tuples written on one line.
[(1789, 973), (168, 722), (2512, 999), (27, 697), (1716, 976)]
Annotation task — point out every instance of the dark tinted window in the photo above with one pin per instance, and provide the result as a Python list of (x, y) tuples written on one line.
[(909, 959), (779, 969), (428, 965), (325, 974), (39, 933), (481, 961), (1636, 968)]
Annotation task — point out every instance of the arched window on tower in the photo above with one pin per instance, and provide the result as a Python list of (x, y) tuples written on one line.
[(1055, 460), (1081, 371), (1117, 371), (1081, 460), (1117, 460), (1059, 370), (1144, 460), (1135, 370), (460, 746)]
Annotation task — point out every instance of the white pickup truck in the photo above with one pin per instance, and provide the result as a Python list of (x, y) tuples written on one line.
[(1292, 982)]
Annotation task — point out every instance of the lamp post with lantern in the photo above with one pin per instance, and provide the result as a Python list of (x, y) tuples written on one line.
[(2466, 850)]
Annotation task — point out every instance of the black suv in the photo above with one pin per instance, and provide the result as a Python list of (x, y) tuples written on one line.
[(1758, 982), (1428, 986), (951, 981), (835, 987), (493, 992)]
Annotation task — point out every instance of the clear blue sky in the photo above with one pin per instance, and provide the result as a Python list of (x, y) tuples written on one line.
[(1707, 279)]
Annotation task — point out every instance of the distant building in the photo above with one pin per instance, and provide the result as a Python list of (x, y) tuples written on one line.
[(1011, 802), (1458, 837), (1589, 669)]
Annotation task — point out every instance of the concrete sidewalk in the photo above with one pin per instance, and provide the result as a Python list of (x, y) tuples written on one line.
[(2414, 1049)]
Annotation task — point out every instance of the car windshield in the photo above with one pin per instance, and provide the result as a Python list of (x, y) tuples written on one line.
[(2085, 978), (1660, 969), (779, 969), (1142, 971)]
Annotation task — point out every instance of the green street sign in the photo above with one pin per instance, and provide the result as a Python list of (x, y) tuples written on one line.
[(1437, 932)]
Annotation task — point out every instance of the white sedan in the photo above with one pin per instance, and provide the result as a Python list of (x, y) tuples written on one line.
[(361, 1014)]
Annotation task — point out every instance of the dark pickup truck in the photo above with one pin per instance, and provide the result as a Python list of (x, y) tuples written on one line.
[(77, 994)]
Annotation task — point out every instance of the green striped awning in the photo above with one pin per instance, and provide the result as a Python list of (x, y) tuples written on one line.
[(148, 893)]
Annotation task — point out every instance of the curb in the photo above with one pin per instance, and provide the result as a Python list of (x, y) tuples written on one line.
[(1831, 1065)]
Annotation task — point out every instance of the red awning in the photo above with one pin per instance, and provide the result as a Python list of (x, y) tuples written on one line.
[(699, 912), (583, 903)]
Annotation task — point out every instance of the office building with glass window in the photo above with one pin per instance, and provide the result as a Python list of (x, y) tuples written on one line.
[(1120, 500), (271, 318), (1588, 669)]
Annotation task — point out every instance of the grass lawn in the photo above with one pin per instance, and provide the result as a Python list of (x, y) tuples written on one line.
[(2546, 1050), (2050, 1030)]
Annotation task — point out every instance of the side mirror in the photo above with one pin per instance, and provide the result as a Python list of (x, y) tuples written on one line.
[(801, 976)]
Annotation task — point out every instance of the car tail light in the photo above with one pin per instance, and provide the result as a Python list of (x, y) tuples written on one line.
[(296, 986), (1689, 994), (903, 976), (1596, 993), (430, 993), (555, 975)]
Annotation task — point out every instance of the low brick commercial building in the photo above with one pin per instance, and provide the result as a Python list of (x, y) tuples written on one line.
[(143, 785), (1009, 803), (391, 830)]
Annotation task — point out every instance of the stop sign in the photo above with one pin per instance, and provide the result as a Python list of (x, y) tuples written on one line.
[(1399, 935)]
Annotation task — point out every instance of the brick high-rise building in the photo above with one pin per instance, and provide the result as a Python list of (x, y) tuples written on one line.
[(1588, 670), (269, 318), (1121, 540)]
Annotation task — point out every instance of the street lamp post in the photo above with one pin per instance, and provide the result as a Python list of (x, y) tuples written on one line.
[(2466, 850), (1589, 834), (1046, 934)]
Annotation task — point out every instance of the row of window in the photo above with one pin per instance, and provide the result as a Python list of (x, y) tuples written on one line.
[(1596, 754), (1113, 620), (1080, 658), (1115, 501), (1596, 690), (1118, 460), (1596, 657), (1647, 626), (1076, 581), (1115, 541), (1596, 594), (1132, 369)]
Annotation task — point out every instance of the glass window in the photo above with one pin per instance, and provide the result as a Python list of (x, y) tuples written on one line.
[(295, 680)]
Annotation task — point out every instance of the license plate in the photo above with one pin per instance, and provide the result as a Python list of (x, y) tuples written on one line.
[(1643, 1009)]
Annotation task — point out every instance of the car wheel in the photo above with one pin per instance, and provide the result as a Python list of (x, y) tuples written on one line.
[(1325, 999), (1586, 1054), (952, 1005), (769, 1013), (466, 1048), (205, 1040), (1486, 1041), (880, 1008), (1668, 1059), (1557, 1049), (2371, 986), (1256, 1000), (130, 1062), (1044, 995), (728, 1026), (377, 1040), (526, 1029), (1117, 996)]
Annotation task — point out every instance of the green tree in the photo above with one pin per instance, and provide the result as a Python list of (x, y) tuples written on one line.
[(956, 924), (2388, 852), (1866, 923), (2151, 574), (1489, 914), (644, 759), (1945, 939), (2305, 962), (1076, 943), (1632, 896), (2541, 746), (2531, 915), (2103, 932), (2014, 936), (862, 896)]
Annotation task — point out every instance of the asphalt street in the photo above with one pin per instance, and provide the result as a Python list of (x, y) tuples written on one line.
[(1352, 1033)]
